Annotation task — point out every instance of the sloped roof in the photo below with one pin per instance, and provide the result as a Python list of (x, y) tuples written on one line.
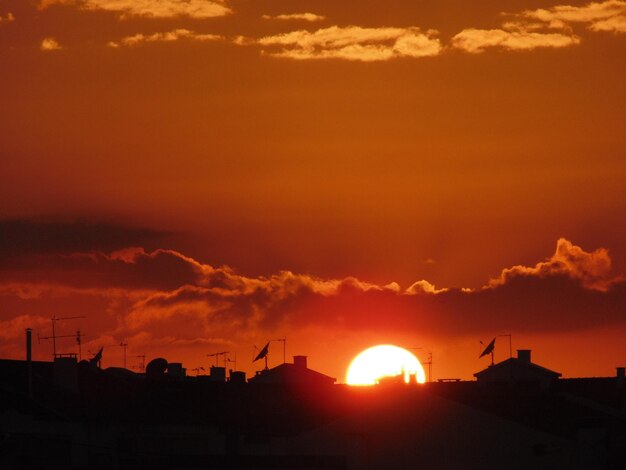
[(516, 369), (290, 373)]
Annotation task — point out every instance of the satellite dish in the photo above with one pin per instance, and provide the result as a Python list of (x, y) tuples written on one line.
[(97, 358), (156, 367)]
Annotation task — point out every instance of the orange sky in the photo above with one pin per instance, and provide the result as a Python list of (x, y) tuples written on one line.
[(321, 150)]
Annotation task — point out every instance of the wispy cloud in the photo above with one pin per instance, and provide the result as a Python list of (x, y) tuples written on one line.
[(596, 16), (169, 36), (478, 40), (545, 28), (351, 43), (50, 44), (295, 16), (150, 8)]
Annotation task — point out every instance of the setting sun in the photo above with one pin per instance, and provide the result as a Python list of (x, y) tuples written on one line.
[(384, 361)]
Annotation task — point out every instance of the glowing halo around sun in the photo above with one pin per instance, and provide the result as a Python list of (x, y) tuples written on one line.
[(384, 360)]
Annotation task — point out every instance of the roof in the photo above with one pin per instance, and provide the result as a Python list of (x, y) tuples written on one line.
[(516, 369), (291, 373)]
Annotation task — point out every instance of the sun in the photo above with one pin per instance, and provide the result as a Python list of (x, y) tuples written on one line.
[(384, 360)]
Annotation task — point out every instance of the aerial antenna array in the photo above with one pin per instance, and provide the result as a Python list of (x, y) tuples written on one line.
[(217, 357), (54, 335)]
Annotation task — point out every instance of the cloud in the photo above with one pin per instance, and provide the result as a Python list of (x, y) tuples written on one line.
[(170, 36), (128, 269), (165, 294), (12, 333), (423, 287), (532, 29), (596, 16), (50, 44), (150, 8), (477, 40), (592, 270), (7, 19), (556, 294), (351, 43), (295, 16), (15, 327)]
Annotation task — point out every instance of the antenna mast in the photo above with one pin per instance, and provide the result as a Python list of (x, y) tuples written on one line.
[(54, 336), (124, 344), (429, 363), (79, 342), (430, 366), (142, 368), (217, 357), (234, 361)]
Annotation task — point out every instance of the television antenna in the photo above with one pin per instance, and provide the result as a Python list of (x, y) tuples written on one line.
[(142, 367), (54, 336), (217, 357), (197, 370), (429, 363), (234, 361)]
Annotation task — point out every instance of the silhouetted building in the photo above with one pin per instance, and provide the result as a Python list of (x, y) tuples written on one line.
[(517, 369), (217, 374), (65, 372), (294, 417), (176, 369), (237, 377), (296, 373)]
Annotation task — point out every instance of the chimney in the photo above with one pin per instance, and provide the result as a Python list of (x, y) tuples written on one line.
[(299, 361), (29, 360), (523, 355)]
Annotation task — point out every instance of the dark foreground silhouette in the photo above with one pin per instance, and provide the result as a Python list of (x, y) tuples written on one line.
[(78, 416)]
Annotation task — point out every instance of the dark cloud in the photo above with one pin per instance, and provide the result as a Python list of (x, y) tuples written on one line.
[(129, 269), (571, 290), (21, 236)]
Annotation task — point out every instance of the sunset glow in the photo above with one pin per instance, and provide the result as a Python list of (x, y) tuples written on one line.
[(382, 361), (199, 176)]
